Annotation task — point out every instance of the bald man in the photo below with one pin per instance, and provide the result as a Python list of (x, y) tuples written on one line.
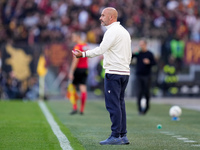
[(116, 49)]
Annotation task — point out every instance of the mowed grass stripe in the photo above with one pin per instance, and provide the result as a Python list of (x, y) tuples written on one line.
[(23, 126), (94, 126), (74, 142)]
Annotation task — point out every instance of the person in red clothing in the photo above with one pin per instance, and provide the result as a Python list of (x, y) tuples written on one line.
[(79, 71)]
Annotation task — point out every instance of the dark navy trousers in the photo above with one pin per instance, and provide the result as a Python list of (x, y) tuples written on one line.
[(114, 86)]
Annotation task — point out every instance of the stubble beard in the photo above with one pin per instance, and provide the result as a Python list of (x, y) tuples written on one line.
[(103, 23)]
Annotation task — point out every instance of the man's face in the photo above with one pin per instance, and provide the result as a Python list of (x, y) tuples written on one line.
[(142, 45), (74, 37), (105, 18)]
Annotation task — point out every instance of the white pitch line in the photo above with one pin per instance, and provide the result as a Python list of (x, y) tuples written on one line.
[(198, 145), (177, 136), (190, 141), (64, 142), (182, 138)]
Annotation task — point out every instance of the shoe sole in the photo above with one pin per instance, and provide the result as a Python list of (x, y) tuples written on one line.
[(112, 144), (126, 143)]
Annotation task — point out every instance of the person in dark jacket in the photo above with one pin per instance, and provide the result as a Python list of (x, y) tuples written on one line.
[(145, 61)]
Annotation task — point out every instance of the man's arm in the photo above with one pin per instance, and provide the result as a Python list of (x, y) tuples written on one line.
[(135, 52), (106, 43), (72, 68), (152, 60)]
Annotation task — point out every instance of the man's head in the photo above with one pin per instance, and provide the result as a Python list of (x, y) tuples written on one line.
[(76, 37), (108, 16), (143, 45)]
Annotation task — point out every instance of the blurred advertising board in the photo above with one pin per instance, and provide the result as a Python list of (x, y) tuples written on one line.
[(192, 53)]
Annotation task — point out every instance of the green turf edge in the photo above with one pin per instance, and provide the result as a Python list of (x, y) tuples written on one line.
[(74, 142), (24, 134)]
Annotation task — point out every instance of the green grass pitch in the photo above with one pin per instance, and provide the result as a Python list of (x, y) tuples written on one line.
[(23, 126)]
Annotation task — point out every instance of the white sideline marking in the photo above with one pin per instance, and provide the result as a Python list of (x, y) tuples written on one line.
[(196, 145), (64, 142), (190, 141), (177, 136), (182, 138)]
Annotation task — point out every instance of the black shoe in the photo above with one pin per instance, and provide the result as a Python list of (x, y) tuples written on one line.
[(81, 113), (73, 112)]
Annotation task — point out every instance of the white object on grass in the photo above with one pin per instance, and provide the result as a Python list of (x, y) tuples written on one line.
[(175, 111)]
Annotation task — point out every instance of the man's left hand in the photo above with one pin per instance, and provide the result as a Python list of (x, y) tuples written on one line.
[(146, 61)]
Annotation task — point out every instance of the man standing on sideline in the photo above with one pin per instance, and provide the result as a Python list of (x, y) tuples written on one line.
[(116, 49), (78, 72), (145, 60)]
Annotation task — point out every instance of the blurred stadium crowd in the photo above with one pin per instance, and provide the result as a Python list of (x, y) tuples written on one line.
[(54, 20), (45, 21)]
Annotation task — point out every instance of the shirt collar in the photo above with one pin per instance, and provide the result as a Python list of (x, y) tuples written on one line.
[(107, 27)]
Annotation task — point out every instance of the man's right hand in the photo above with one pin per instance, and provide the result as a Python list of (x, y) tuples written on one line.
[(77, 53)]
